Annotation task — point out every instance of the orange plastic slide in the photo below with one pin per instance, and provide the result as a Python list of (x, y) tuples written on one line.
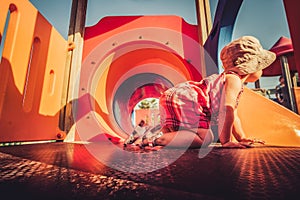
[(269, 121)]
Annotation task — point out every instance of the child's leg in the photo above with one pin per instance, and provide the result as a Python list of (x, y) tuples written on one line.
[(193, 138), (206, 135)]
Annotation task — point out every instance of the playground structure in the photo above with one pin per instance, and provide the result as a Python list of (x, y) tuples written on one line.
[(86, 88)]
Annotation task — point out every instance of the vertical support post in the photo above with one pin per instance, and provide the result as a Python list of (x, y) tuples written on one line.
[(74, 60), (203, 19), (288, 83), (204, 28)]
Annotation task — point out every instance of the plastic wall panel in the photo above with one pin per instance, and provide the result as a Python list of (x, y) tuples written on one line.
[(31, 74)]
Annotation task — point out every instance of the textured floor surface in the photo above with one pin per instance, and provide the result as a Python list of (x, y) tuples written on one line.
[(73, 171)]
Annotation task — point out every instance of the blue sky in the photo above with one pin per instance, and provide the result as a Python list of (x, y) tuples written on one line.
[(264, 19)]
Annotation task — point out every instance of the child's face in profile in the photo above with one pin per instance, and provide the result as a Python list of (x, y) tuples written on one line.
[(254, 76)]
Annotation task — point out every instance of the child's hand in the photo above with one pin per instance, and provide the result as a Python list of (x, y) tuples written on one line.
[(243, 143), (258, 141), (240, 145), (252, 141), (246, 140)]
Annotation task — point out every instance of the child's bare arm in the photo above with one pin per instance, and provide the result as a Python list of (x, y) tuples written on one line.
[(229, 122), (226, 120), (227, 107), (238, 131)]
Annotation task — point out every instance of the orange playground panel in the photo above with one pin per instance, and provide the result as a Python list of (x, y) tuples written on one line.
[(31, 74)]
